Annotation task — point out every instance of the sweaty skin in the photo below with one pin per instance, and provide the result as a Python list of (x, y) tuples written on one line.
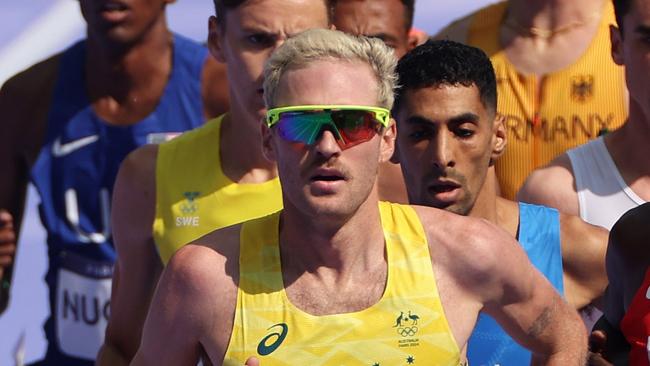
[(245, 39), (448, 139), (128, 67), (386, 20), (192, 311), (127, 71)]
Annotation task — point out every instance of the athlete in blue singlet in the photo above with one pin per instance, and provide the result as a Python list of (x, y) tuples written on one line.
[(70, 122), (539, 235), (448, 137)]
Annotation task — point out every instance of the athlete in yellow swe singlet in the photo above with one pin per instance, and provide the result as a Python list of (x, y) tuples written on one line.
[(546, 117), (194, 196), (407, 325)]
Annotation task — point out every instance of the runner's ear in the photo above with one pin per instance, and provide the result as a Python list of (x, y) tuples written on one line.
[(388, 142), (215, 33), (267, 142), (499, 139), (616, 38)]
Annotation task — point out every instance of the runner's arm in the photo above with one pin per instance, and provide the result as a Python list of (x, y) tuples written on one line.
[(552, 186), (14, 177), (178, 315), (583, 261), (193, 308), (24, 103), (138, 265), (521, 300)]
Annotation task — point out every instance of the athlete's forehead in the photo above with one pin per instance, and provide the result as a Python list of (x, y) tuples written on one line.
[(445, 101), (287, 17), (328, 81), (376, 13)]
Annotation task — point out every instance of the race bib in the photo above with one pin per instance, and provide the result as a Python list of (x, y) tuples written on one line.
[(82, 306)]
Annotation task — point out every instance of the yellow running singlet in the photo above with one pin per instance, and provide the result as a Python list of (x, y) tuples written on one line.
[(568, 108), (407, 326), (194, 196)]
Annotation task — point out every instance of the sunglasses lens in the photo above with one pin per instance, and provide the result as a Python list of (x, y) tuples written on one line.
[(355, 126), (350, 127), (300, 126)]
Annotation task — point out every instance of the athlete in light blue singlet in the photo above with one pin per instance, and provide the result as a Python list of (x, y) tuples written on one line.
[(449, 139), (539, 235)]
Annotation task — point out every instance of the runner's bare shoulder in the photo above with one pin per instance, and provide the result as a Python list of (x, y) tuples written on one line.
[(138, 172), (207, 271), (465, 246), (222, 243), (25, 97)]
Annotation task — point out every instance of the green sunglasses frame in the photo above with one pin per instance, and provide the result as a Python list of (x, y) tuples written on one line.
[(273, 115)]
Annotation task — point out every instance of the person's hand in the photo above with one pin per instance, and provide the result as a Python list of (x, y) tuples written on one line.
[(597, 344), (7, 241), (252, 361)]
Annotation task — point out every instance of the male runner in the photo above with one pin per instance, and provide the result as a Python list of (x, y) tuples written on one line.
[(623, 331), (447, 140), (557, 87), (390, 21), (603, 179), (627, 305), (216, 176), (67, 124), (338, 277)]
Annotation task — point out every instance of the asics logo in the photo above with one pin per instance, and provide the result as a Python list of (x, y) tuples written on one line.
[(59, 150), (276, 339), (647, 293)]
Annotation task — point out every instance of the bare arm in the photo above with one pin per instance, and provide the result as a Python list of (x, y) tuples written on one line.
[(531, 311), (561, 194), (138, 265), (12, 185), (24, 104), (179, 314), (192, 313), (481, 267), (583, 258)]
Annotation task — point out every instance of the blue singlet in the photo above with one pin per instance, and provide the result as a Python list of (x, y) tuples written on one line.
[(539, 235), (74, 175)]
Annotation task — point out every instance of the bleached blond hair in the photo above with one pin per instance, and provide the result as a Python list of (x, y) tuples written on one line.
[(323, 44)]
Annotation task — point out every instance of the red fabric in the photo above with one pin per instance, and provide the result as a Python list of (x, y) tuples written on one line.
[(636, 324)]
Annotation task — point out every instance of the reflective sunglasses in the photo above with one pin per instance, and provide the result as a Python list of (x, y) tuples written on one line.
[(350, 124)]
